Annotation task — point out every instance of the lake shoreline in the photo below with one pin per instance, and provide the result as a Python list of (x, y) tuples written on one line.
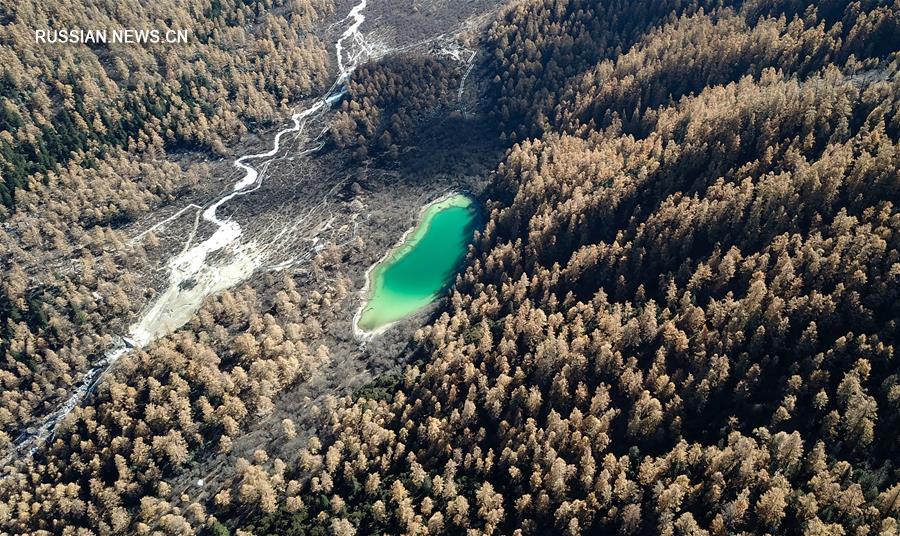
[(407, 241)]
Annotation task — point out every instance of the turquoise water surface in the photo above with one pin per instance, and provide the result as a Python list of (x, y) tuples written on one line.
[(424, 265)]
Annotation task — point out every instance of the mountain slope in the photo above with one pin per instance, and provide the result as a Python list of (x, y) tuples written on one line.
[(682, 315)]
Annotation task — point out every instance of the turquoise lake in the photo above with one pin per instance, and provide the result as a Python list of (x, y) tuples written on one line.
[(422, 267)]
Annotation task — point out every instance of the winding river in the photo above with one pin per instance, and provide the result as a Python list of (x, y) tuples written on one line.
[(192, 276)]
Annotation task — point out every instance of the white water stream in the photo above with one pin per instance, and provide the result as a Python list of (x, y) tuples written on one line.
[(192, 275)]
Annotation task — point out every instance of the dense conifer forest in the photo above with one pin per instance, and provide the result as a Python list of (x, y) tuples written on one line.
[(680, 318)]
